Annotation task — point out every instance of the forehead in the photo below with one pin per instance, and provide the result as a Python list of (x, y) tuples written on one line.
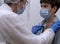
[(45, 4)]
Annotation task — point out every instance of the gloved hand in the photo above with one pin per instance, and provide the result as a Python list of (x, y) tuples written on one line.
[(36, 28), (55, 26)]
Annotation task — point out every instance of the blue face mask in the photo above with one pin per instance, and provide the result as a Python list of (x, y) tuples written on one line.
[(20, 10), (44, 13)]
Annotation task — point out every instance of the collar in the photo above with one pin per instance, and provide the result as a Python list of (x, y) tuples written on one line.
[(43, 22)]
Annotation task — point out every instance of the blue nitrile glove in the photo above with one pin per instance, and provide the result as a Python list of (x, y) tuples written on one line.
[(55, 26), (36, 28)]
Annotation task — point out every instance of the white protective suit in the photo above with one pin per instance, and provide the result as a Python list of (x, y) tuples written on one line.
[(14, 31)]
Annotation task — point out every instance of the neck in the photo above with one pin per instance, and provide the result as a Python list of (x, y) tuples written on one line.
[(50, 20)]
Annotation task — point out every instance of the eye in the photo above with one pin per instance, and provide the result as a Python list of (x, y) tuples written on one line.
[(44, 6)]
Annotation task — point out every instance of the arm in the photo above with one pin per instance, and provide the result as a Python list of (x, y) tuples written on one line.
[(12, 30)]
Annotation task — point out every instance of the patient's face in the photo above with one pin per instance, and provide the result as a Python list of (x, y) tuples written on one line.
[(49, 7)]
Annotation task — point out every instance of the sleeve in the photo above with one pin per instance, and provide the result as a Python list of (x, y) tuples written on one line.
[(13, 30)]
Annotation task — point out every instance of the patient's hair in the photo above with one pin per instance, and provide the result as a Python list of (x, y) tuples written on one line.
[(53, 3)]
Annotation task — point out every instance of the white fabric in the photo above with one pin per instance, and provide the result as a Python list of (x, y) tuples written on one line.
[(13, 30), (1, 2), (58, 14), (31, 14)]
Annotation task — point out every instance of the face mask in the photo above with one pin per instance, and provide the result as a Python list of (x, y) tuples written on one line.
[(20, 10), (44, 13)]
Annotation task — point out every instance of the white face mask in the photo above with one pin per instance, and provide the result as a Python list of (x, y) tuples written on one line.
[(44, 13)]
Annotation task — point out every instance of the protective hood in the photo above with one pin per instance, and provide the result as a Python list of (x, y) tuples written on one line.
[(1, 2), (5, 9)]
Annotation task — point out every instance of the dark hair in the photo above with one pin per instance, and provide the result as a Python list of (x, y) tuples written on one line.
[(24, 1), (9, 4), (21, 0), (52, 3)]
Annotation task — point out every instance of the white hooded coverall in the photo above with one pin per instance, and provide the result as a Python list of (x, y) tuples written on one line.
[(13, 30)]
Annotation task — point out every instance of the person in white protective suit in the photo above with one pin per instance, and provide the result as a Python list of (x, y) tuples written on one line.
[(13, 30)]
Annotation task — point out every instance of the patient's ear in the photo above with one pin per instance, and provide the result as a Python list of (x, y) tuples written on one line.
[(55, 8)]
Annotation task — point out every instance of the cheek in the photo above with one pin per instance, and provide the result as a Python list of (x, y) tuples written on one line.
[(50, 11)]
